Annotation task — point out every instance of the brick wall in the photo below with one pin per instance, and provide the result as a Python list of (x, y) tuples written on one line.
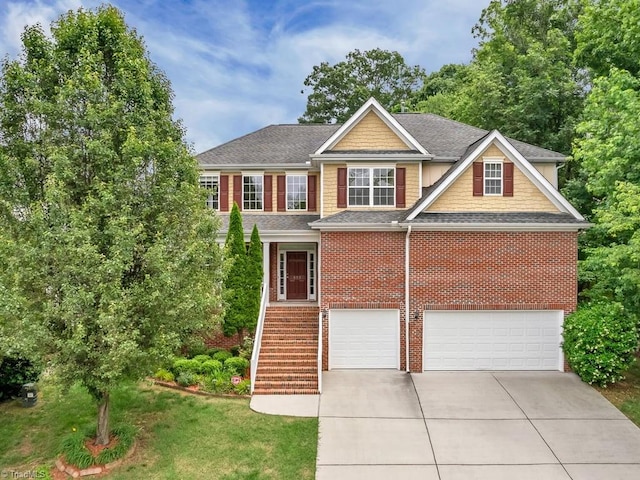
[(220, 341), (448, 271), (489, 271), (493, 270), (362, 270)]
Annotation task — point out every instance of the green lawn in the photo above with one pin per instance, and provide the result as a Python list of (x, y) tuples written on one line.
[(181, 436), (626, 394)]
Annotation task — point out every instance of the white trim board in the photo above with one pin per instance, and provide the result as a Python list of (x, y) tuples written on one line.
[(516, 157)]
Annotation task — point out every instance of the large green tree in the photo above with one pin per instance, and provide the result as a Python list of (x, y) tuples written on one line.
[(522, 79), (608, 150), (107, 247), (440, 90), (339, 90)]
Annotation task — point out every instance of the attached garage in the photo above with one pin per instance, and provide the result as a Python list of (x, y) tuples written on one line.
[(364, 339), (492, 340)]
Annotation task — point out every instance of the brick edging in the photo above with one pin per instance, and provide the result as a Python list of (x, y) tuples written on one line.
[(196, 392), (76, 472)]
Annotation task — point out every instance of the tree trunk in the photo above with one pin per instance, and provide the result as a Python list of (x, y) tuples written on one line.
[(102, 435)]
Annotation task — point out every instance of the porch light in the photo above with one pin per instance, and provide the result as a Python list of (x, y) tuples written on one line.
[(416, 315)]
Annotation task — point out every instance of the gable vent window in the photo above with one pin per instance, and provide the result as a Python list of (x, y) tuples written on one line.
[(252, 192), (210, 183), (371, 186), (493, 178)]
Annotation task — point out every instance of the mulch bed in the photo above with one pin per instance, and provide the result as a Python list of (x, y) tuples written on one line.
[(63, 470)]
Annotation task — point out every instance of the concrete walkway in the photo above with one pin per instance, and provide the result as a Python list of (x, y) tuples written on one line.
[(289, 405), (471, 425)]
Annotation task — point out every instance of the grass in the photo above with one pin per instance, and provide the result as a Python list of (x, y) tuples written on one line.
[(626, 394), (180, 435)]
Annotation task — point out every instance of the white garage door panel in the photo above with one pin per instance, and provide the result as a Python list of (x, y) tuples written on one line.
[(363, 338), (504, 340)]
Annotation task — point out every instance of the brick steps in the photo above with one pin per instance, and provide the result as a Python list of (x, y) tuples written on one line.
[(286, 391), (279, 362), (289, 352)]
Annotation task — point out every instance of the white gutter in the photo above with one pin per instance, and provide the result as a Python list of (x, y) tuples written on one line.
[(407, 311), (355, 227), (279, 167), (341, 157), (499, 227)]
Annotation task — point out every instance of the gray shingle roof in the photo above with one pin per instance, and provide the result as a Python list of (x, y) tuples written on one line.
[(446, 138), (360, 216), (498, 217), (270, 222), (274, 144), (292, 144)]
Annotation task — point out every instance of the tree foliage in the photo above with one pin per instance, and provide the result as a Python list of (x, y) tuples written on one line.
[(236, 294), (255, 276), (107, 248), (244, 280), (339, 90), (607, 36), (522, 80), (439, 91), (608, 150)]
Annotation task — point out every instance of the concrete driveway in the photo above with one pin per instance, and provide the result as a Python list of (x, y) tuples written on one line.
[(471, 425)]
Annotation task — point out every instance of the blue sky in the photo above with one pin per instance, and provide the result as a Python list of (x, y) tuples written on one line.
[(239, 65)]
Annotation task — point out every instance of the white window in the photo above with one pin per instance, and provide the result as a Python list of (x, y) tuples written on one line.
[(210, 183), (296, 192), (372, 186), (492, 178), (252, 192)]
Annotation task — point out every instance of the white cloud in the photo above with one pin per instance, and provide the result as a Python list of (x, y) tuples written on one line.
[(236, 66), (17, 15)]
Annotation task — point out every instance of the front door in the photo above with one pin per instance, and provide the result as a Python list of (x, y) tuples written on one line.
[(296, 275)]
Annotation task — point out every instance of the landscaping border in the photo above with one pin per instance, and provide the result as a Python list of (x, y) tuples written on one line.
[(202, 393), (76, 472)]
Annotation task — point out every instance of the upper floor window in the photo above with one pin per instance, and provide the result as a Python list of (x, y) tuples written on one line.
[(492, 178), (252, 192), (211, 184), (371, 186), (296, 192)]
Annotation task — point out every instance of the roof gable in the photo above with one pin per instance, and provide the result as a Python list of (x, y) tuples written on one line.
[(474, 151), (372, 107), (370, 133)]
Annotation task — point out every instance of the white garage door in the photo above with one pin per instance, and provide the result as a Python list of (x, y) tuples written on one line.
[(501, 340), (364, 339)]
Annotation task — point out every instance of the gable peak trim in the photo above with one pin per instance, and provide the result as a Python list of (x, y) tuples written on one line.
[(372, 105), (495, 137)]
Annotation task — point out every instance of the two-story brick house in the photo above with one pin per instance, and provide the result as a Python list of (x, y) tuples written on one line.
[(403, 241)]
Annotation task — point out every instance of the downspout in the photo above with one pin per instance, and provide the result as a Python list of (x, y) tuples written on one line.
[(407, 313)]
